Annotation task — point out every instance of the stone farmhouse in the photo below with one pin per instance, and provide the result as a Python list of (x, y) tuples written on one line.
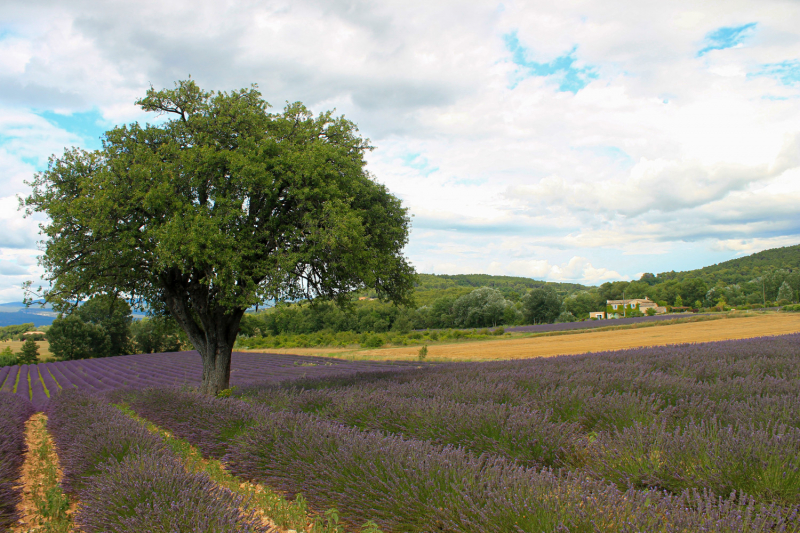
[(621, 308)]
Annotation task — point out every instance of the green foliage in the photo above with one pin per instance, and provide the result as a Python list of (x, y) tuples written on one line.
[(541, 306), (226, 393), (785, 292), (14, 331), (431, 287), (101, 327), (156, 335), (566, 316), (71, 338), (7, 357), (742, 269), (481, 307), (374, 341), (423, 352), (582, 303), (221, 207), (113, 314), (29, 353)]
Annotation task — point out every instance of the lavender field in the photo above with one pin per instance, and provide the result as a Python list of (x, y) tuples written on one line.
[(37, 383), (695, 437), (702, 437)]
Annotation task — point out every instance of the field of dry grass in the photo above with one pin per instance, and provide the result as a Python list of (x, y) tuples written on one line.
[(44, 348), (586, 341)]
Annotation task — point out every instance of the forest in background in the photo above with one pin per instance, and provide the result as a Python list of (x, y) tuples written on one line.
[(103, 326)]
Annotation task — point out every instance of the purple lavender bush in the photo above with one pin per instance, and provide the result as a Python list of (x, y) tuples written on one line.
[(629, 417), (206, 422), (414, 486), (154, 493), (14, 412), (127, 479)]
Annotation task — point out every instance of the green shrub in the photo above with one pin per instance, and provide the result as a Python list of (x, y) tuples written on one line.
[(374, 341), (499, 331), (423, 352), (7, 357)]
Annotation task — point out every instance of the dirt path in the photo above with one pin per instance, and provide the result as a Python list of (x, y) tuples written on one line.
[(596, 341), (44, 506)]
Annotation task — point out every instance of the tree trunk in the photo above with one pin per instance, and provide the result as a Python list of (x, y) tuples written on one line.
[(216, 367), (213, 335), (215, 350)]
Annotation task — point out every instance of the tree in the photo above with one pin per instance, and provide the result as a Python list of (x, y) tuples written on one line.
[(541, 306), (114, 315), (693, 289), (222, 206), (785, 292), (7, 357), (482, 307), (566, 316), (29, 353), (156, 335), (71, 338), (101, 327)]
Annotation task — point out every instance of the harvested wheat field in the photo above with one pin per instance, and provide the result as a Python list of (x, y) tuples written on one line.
[(596, 341)]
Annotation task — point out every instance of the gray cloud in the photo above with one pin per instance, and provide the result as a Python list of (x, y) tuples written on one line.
[(7, 268)]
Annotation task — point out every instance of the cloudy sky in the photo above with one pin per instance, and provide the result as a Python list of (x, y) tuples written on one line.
[(573, 140)]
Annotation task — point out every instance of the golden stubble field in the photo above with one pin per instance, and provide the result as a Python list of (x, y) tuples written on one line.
[(589, 341), (44, 348)]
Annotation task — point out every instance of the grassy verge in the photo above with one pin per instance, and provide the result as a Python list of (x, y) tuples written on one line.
[(272, 507), (46, 508)]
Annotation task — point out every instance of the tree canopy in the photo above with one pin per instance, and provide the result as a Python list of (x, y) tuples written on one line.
[(222, 206)]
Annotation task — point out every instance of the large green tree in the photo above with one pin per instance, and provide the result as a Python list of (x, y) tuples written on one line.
[(541, 306), (221, 206)]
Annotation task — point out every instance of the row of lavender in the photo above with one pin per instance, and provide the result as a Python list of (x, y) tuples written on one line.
[(126, 478), (14, 411), (721, 416), (38, 383), (591, 324), (407, 484)]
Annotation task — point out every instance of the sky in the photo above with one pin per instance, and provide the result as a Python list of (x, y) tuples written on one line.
[(581, 141)]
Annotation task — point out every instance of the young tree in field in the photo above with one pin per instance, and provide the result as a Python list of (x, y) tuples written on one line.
[(222, 206), (29, 353)]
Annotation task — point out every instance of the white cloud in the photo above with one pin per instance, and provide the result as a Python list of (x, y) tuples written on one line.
[(665, 151), (577, 269)]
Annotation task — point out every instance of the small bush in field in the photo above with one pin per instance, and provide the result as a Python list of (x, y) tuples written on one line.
[(374, 341), (423, 352)]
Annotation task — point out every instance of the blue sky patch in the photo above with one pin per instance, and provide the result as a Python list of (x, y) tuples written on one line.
[(787, 72), (728, 37), (89, 125), (571, 79), (419, 163)]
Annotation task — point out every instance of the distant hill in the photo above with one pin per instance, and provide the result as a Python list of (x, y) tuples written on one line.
[(742, 269), (432, 286), (17, 317)]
